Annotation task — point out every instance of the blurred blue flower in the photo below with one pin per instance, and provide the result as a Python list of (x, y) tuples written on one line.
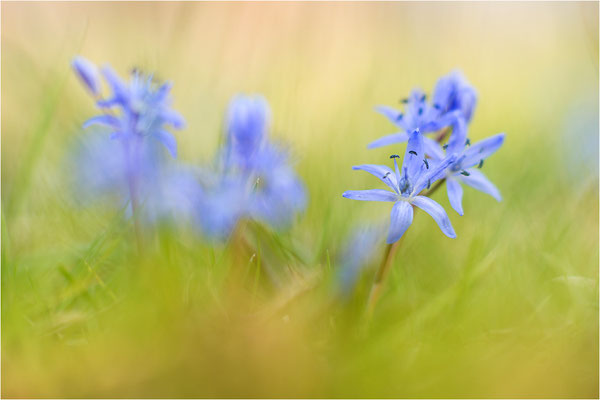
[(469, 159), (453, 98), (254, 178), (357, 252), (136, 110), (416, 175), (165, 190), (123, 156), (579, 139), (454, 93)]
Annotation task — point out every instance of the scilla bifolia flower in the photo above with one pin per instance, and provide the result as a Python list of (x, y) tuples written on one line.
[(453, 97), (124, 156), (469, 160), (407, 183), (254, 179)]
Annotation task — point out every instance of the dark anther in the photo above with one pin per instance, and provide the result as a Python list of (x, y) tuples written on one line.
[(468, 142), (404, 101), (426, 163), (394, 156), (465, 173), (424, 97), (420, 110), (480, 164), (413, 152), (399, 117), (386, 175), (428, 184), (445, 146), (436, 106)]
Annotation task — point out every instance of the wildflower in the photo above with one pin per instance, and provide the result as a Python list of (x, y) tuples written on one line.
[(453, 92), (469, 160), (406, 184), (453, 98), (124, 157), (137, 110), (255, 179)]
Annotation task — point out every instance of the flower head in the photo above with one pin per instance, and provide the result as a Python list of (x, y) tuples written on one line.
[(136, 110), (453, 98), (453, 92), (469, 160), (255, 180), (407, 183), (123, 156)]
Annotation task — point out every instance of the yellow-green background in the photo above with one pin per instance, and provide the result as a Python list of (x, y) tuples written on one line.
[(508, 309)]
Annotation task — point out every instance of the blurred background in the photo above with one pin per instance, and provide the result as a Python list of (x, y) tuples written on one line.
[(508, 309)]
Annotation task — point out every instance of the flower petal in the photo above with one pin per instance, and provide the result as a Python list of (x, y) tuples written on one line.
[(173, 118), (478, 180), (385, 174), (370, 195), (457, 141), (168, 140), (401, 218), (455, 194), (482, 150), (393, 115), (119, 88), (441, 122), (394, 138), (88, 73), (413, 158), (434, 173), (104, 120), (433, 148), (437, 212)]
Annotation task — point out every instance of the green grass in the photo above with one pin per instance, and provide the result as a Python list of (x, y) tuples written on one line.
[(507, 309)]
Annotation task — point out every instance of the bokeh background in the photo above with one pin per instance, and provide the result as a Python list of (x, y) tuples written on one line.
[(508, 309)]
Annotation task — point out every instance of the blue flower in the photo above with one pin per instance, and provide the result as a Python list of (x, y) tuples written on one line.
[(254, 179), (123, 156), (453, 98), (406, 184), (469, 159), (136, 110), (454, 93)]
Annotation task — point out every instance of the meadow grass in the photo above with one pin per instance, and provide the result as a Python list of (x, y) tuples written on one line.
[(507, 309)]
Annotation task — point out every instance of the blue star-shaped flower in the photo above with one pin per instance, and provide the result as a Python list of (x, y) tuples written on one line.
[(469, 159), (453, 97), (416, 174), (136, 110)]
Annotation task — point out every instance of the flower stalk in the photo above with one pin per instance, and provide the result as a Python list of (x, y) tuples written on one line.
[(388, 257)]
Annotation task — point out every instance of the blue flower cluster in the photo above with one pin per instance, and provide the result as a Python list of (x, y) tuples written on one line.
[(253, 178), (426, 160)]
